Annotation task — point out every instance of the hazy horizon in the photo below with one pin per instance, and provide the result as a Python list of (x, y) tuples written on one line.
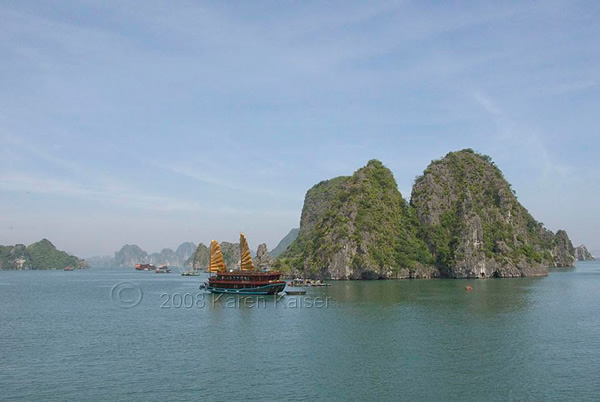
[(162, 123)]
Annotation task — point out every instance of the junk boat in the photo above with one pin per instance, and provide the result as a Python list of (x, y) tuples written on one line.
[(247, 281), (145, 267)]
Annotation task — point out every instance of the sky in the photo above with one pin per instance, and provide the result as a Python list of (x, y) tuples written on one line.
[(158, 122)]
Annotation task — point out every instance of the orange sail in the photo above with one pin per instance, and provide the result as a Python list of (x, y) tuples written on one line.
[(216, 263), (246, 257)]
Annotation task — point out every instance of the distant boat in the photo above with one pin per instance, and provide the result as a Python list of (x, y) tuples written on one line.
[(163, 269), (295, 292), (247, 281), (307, 282), (145, 267), (68, 269), (190, 273)]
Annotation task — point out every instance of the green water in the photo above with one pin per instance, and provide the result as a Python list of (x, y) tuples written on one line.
[(62, 337)]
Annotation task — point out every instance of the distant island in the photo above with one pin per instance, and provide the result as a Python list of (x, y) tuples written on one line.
[(463, 221), (131, 254), (582, 254), (37, 256), (187, 255)]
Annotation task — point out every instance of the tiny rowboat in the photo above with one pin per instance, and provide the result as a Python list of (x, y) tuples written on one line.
[(295, 292)]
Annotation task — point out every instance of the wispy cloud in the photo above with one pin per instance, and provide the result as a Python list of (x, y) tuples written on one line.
[(487, 104), (522, 138), (575, 87), (17, 182)]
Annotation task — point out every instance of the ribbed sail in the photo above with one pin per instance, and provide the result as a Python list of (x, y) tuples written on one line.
[(216, 263), (246, 264)]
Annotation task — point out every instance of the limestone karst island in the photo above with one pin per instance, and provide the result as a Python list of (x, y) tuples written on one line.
[(463, 221)]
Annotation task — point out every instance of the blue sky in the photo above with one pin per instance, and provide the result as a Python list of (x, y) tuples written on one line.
[(161, 122)]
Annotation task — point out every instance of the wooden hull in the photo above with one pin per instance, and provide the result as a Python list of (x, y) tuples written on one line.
[(270, 289)]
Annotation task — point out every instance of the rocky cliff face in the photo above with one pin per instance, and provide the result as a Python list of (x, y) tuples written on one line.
[(582, 254), (166, 256), (357, 227), (263, 260), (199, 260), (231, 255), (184, 252), (464, 221), (474, 225), (563, 252)]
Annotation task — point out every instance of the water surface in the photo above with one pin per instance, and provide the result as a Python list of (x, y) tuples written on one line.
[(62, 337)]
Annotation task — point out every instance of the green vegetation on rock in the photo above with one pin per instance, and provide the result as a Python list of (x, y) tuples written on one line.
[(199, 260), (129, 255), (37, 256), (474, 225), (357, 227), (464, 221), (231, 254)]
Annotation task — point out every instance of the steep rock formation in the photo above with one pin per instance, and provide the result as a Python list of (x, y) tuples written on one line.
[(357, 227), (563, 251), (285, 242), (184, 252), (129, 255), (263, 260), (166, 256), (582, 254), (199, 260), (231, 255), (474, 225)]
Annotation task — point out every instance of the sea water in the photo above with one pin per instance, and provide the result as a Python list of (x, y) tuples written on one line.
[(120, 334)]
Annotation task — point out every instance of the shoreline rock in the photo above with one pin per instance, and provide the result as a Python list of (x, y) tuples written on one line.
[(582, 254)]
